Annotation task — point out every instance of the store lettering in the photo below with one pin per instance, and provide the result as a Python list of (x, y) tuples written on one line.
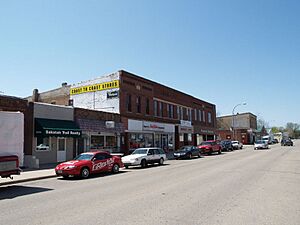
[(100, 165), (95, 87)]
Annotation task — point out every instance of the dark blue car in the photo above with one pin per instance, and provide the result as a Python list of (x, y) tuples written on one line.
[(187, 152)]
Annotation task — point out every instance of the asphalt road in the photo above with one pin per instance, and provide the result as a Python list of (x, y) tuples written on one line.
[(241, 187)]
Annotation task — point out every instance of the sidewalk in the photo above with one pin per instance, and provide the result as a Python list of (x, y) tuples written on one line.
[(29, 175)]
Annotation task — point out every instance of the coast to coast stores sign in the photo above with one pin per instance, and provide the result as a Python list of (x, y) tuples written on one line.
[(95, 87)]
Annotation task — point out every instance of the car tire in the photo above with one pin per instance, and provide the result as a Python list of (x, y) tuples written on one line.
[(65, 176), (255, 148), (143, 163), (190, 156), (115, 168), (161, 161), (220, 151), (85, 172), (199, 155)]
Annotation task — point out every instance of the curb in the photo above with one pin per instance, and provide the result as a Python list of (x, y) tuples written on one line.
[(27, 180)]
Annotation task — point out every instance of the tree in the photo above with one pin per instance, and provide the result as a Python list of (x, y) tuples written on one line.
[(293, 129), (262, 123)]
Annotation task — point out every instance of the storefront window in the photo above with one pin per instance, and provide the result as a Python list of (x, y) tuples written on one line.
[(42, 143), (110, 141), (189, 137), (157, 140), (170, 142), (140, 140), (97, 142)]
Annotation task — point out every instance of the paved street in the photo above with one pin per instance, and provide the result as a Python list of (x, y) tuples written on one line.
[(240, 187)]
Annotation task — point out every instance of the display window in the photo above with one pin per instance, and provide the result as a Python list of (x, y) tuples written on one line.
[(137, 140), (97, 142)]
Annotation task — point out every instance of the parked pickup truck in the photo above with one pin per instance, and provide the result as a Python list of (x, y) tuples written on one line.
[(9, 165)]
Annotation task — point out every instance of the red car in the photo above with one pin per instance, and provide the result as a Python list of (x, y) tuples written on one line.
[(210, 147), (89, 163)]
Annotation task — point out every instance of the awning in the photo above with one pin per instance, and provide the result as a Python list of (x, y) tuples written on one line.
[(56, 128)]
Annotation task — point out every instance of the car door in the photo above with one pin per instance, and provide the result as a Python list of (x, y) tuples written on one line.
[(156, 157), (99, 163), (150, 156), (195, 151)]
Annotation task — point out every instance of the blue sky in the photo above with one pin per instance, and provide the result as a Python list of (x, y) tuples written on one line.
[(224, 52)]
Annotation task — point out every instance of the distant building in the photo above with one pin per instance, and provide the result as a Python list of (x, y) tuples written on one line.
[(241, 127)]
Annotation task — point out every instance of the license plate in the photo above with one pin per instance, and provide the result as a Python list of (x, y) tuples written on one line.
[(59, 171)]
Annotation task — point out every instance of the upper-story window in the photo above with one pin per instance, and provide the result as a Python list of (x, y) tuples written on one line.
[(209, 117), (147, 106), (203, 115), (155, 108), (196, 114), (161, 109), (128, 103), (138, 104), (200, 115), (190, 114), (181, 112), (170, 111)]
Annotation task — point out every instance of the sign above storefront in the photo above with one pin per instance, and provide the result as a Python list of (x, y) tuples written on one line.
[(186, 130), (207, 131), (110, 124), (185, 123), (153, 126)]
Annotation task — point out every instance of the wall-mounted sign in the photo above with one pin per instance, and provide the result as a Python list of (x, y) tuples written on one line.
[(95, 87), (112, 94), (185, 123), (207, 131), (186, 130), (110, 124), (153, 126)]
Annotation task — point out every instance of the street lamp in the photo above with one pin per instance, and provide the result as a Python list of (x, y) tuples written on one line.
[(233, 133)]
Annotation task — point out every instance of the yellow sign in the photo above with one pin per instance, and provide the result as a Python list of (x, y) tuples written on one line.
[(95, 87)]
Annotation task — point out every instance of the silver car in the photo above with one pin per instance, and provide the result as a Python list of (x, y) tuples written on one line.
[(261, 144)]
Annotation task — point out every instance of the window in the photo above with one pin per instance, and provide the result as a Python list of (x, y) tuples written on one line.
[(110, 142), (97, 142), (200, 115), (190, 114), (128, 103), (203, 116), (181, 113), (42, 143), (172, 111), (61, 144), (155, 108), (178, 112), (147, 106), (209, 117), (102, 156), (196, 114), (160, 109), (138, 104)]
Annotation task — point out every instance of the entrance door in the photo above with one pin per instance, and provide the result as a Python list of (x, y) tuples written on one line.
[(164, 140), (61, 150)]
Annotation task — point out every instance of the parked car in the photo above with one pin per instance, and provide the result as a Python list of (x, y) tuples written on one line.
[(226, 145), (144, 156), (287, 142), (275, 141), (90, 163), (187, 152), (210, 147), (9, 165), (237, 145), (261, 144)]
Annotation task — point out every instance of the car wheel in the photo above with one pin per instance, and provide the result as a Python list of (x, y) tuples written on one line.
[(199, 155), (161, 161), (65, 176), (190, 156), (255, 148), (143, 163), (85, 172), (115, 168), (220, 151)]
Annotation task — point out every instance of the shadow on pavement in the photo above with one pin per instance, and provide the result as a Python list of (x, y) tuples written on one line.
[(94, 176), (11, 192), (149, 166)]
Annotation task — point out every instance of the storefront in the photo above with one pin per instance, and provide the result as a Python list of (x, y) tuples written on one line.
[(203, 134), (185, 133), (150, 134), (54, 140), (99, 135)]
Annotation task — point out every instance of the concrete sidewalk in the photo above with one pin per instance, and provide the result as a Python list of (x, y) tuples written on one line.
[(29, 175)]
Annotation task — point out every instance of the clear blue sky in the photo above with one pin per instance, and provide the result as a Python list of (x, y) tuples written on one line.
[(224, 52)]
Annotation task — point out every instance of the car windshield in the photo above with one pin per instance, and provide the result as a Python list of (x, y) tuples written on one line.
[(84, 157), (185, 148), (139, 151), (206, 143), (260, 142), (234, 142)]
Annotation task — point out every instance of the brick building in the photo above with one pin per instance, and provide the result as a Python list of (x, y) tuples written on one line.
[(241, 127), (151, 114)]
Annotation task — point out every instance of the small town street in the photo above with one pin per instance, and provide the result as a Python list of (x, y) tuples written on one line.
[(240, 187)]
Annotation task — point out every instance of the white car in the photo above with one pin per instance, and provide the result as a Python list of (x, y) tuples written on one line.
[(261, 144), (236, 145), (144, 156)]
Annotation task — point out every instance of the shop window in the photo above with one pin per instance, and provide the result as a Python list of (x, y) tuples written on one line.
[(42, 143), (128, 103), (110, 142), (147, 106), (138, 104), (97, 142), (137, 140), (189, 137), (181, 137), (170, 142)]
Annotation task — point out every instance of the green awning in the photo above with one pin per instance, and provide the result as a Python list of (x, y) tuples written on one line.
[(56, 128)]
